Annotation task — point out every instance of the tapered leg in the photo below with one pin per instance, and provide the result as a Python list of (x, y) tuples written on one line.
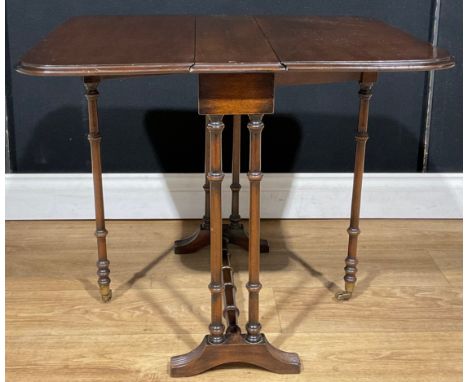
[(215, 128), (351, 260), (255, 175), (94, 137)]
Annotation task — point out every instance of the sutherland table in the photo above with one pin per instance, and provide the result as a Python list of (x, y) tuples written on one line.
[(238, 61)]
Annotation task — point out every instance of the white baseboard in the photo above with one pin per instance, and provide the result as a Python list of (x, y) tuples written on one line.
[(174, 196)]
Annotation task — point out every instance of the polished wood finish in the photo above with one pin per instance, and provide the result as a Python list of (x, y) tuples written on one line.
[(406, 311), (232, 44), (231, 311), (206, 186), (365, 94), (215, 128), (197, 240), (347, 43), (237, 58), (220, 348), (255, 175), (237, 236), (234, 218), (111, 46), (289, 78), (114, 45), (234, 230), (244, 93), (94, 137), (235, 349)]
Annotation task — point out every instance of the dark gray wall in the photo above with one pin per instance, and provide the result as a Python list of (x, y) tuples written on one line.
[(151, 125), (445, 150)]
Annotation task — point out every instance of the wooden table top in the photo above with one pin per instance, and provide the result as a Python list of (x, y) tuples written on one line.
[(139, 45)]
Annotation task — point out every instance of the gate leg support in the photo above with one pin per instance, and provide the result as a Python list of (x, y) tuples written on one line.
[(365, 93), (94, 137)]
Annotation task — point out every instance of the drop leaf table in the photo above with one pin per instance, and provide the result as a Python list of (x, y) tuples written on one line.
[(239, 60)]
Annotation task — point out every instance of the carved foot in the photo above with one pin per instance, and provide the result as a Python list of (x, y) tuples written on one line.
[(237, 236), (196, 241), (343, 296), (106, 293), (234, 349)]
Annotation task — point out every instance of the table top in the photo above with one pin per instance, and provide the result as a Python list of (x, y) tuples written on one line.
[(143, 45)]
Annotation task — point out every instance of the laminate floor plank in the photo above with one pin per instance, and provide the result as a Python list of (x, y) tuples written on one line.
[(327, 357), (404, 322)]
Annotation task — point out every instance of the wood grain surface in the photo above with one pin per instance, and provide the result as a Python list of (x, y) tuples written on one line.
[(236, 94), (347, 43), (232, 44), (402, 324), (113, 45), (143, 45)]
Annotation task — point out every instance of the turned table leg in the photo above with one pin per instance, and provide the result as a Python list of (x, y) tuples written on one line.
[(234, 230), (255, 175), (218, 96), (201, 237), (94, 137), (206, 217), (232, 346), (234, 218), (365, 93), (215, 127)]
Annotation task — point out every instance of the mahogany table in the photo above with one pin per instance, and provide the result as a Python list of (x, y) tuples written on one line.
[(239, 60)]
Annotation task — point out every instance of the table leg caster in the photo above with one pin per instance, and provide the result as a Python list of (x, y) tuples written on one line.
[(343, 296), (106, 293), (346, 294)]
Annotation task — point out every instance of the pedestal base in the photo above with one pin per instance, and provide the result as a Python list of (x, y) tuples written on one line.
[(234, 349), (201, 238), (194, 242)]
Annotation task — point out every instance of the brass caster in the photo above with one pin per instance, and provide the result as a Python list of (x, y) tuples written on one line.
[(343, 296), (106, 293)]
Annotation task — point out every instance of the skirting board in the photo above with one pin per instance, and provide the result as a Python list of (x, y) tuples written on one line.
[(289, 196)]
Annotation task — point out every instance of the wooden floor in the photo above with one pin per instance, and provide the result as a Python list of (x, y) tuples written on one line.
[(403, 324)]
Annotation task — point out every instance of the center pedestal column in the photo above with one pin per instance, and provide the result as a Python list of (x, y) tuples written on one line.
[(234, 94)]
